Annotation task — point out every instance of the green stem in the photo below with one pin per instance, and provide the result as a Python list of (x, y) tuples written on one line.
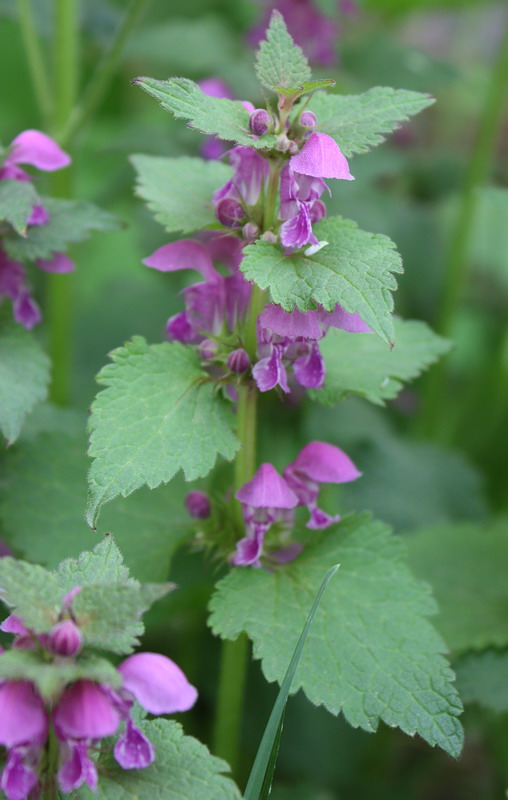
[(102, 76), (35, 58), (59, 308), (233, 669), (50, 788), (455, 268)]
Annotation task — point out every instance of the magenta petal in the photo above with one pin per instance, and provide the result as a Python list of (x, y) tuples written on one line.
[(39, 216), (319, 519), (309, 370), (22, 714), (321, 157), (267, 489), (35, 148), (297, 231), (270, 372), (292, 324), (14, 624), (324, 463), (132, 749), (77, 769), (25, 310), (249, 549), (185, 254), (18, 779), (59, 262), (85, 712), (157, 683), (339, 318)]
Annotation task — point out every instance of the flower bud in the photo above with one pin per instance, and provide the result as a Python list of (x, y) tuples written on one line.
[(229, 212), (198, 505), (207, 349), (238, 361), (250, 230), (308, 119), (269, 236), (293, 148), (259, 121), (283, 143), (65, 639), (317, 211)]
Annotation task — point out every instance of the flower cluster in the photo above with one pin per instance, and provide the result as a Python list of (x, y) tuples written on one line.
[(37, 150), (269, 500), (81, 712)]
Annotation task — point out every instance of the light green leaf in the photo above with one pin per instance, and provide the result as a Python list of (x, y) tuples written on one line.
[(359, 122), (466, 566), (305, 88), (280, 62), (31, 592), (17, 199), (24, 377), (371, 653), (354, 269), (41, 512), (109, 614), (359, 363), (183, 770), (220, 117), (159, 414), (51, 677), (102, 565), (179, 190), (69, 221), (481, 679)]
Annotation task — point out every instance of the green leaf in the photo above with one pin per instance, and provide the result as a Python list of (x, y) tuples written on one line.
[(109, 614), (158, 414), (69, 221), (261, 776), (354, 269), (24, 377), (179, 190), (371, 653), (215, 116), (17, 199), (359, 363), (102, 565), (183, 770), (481, 679), (358, 122), (51, 677), (280, 62), (41, 512), (466, 566), (31, 592), (305, 88)]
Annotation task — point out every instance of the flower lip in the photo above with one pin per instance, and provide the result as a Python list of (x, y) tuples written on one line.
[(157, 683), (22, 714), (39, 150), (324, 463), (321, 157), (267, 489), (84, 711)]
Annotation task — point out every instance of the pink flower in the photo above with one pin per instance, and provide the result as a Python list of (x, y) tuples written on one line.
[(321, 157), (23, 718), (157, 683)]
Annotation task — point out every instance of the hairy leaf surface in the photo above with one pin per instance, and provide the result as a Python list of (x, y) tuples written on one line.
[(280, 62)]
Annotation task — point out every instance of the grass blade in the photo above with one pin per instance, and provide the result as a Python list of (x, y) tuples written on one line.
[(261, 776)]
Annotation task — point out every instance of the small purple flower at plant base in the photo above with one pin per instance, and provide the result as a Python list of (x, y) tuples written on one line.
[(14, 287), (198, 504), (268, 501), (260, 121), (265, 499), (250, 172), (290, 340), (230, 212), (219, 300)]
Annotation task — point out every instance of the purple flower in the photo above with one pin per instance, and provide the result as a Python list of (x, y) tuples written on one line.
[(19, 776), (321, 157), (76, 767), (290, 339), (218, 300), (238, 361), (260, 121), (23, 718), (65, 639), (318, 463), (14, 287), (132, 749), (85, 711), (298, 196), (265, 499), (250, 172), (268, 502)]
